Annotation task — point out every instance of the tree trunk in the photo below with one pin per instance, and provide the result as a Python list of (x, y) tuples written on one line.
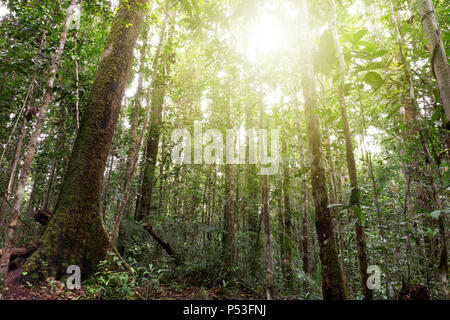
[(304, 197), (359, 228), (158, 91), (17, 202), (75, 234), (77, 78), (134, 144), (266, 217), (229, 219), (133, 161), (335, 199), (287, 218), (439, 62), (251, 186), (332, 280)]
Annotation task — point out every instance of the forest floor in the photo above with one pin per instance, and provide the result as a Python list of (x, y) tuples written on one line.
[(56, 290), (44, 291)]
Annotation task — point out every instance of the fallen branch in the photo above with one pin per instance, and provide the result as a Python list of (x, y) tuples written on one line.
[(166, 246)]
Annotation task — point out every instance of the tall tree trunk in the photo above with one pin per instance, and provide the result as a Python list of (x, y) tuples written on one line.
[(134, 144), (12, 177), (229, 212), (133, 160), (252, 186), (439, 62), (17, 202), (158, 91), (230, 199), (332, 280), (335, 199), (75, 234), (287, 218), (77, 77), (49, 187), (359, 228), (304, 197), (266, 216)]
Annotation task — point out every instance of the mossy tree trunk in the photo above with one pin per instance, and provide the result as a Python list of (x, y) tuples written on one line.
[(75, 234), (333, 287)]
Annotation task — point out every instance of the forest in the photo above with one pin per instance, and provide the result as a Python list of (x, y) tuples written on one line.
[(224, 149)]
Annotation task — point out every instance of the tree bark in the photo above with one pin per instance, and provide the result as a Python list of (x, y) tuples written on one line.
[(439, 62)]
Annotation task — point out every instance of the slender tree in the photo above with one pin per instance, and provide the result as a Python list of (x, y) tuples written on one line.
[(439, 61), (351, 164), (158, 92), (333, 287)]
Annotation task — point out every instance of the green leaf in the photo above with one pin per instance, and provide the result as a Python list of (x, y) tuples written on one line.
[(354, 196), (368, 46), (374, 79), (359, 35), (360, 215), (436, 214)]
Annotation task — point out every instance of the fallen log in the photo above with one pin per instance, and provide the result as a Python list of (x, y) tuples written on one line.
[(165, 245), (17, 252)]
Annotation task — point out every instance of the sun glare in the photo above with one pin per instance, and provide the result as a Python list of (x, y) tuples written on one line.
[(3, 10), (269, 33)]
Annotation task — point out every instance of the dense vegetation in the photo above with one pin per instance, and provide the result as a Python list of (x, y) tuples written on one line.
[(93, 92)]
